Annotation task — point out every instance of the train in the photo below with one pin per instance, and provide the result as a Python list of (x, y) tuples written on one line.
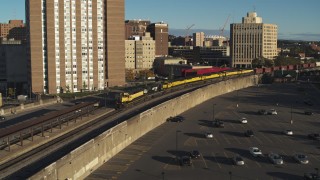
[(128, 97), (286, 68)]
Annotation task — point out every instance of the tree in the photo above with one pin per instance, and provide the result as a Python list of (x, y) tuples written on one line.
[(84, 86)]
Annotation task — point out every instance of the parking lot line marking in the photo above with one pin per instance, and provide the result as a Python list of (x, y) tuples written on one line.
[(204, 161), (231, 124), (313, 156), (258, 164), (215, 159), (215, 139), (229, 158), (265, 137), (225, 139), (237, 139), (260, 142), (247, 139)]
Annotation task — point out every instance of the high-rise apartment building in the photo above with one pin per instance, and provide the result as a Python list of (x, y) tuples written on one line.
[(159, 32), (140, 52), (135, 27), (252, 39), (14, 29), (198, 39), (75, 45)]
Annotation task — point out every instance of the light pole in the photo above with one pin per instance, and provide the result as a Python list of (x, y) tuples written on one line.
[(317, 170), (291, 120), (162, 175), (230, 174), (237, 98), (177, 143), (213, 117)]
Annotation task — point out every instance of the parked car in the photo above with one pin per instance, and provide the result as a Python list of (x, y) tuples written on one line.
[(288, 132), (209, 135), (308, 113), (194, 154), (175, 119), (272, 112), (262, 112), (256, 152), (301, 158), (2, 118), (308, 102), (237, 160), (275, 158), (248, 133), (314, 136), (218, 123), (185, 161), (311, 176), (243, 120)]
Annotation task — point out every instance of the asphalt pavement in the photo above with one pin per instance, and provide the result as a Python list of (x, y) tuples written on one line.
[(155, 155)]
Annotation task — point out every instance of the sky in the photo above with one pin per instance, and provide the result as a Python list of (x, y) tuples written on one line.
[(296, 19)]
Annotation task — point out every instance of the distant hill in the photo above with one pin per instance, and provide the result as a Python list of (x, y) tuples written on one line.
[(182, 32)]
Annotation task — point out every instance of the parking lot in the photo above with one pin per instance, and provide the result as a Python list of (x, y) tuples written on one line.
[(154, 156)]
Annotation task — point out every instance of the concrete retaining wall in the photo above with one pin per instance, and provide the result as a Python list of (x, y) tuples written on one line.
[(82, 161), (22, 107)]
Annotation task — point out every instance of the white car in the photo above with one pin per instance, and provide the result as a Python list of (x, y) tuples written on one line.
[(288, 132), (273, 112), (243, 120), (275, 158), (255, 151), (237, 160), (209, 135)]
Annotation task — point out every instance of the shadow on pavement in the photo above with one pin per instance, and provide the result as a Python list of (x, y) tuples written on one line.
[(166, 160), (284, 176), (249, 112), (238, 134), (196, 135), (206, 123), (272, 132), (219, 159), (178, 153)]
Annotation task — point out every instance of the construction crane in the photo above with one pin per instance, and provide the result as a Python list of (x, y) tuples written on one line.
[(187, 33), (224, 26)]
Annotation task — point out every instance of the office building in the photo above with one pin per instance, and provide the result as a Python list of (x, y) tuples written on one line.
[(75, 45), (198, 39), (15, 29), (135, 27), (159, 32), (252, 39), (140, 52), (13, 68)]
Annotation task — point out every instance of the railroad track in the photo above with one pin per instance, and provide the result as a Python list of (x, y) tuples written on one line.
[(31, 162)]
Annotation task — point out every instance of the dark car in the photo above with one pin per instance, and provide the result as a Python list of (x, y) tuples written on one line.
[(314, 136), (185, 161), (262, 112), (194, 154), (218, 123), (2, 118), (308, 102), (308, 113), (175, 119), (311, 176), (248, 133)]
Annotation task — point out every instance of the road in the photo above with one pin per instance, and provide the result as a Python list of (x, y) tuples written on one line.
[(154, 155)]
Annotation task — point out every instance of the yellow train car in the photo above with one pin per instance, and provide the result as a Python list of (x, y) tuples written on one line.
[(126, 97)]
